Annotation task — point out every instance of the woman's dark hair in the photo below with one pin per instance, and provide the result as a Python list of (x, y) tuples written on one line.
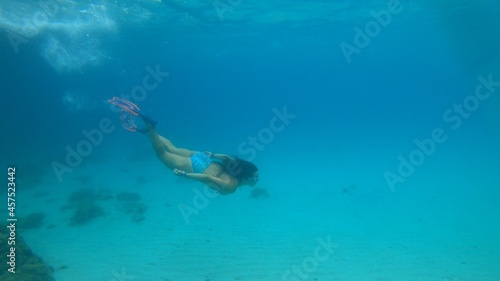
[(240, 169)]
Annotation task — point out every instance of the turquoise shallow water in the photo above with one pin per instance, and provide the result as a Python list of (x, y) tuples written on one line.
[(374, 126)]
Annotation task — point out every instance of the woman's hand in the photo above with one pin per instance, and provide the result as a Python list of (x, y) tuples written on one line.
[(180, 172)]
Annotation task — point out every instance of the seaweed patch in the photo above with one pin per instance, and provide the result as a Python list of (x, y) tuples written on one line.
[(84, 206), (130, 204), (32, 221), (259, 192)]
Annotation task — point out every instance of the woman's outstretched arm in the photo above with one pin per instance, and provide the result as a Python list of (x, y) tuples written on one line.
[(222, 186)]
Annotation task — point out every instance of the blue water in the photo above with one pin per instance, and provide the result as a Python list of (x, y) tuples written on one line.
[(376, 123)]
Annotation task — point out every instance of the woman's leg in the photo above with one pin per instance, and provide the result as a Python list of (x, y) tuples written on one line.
[(170, 159), (175, 150)]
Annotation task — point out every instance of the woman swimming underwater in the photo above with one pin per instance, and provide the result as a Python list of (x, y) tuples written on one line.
[(218, 171)]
